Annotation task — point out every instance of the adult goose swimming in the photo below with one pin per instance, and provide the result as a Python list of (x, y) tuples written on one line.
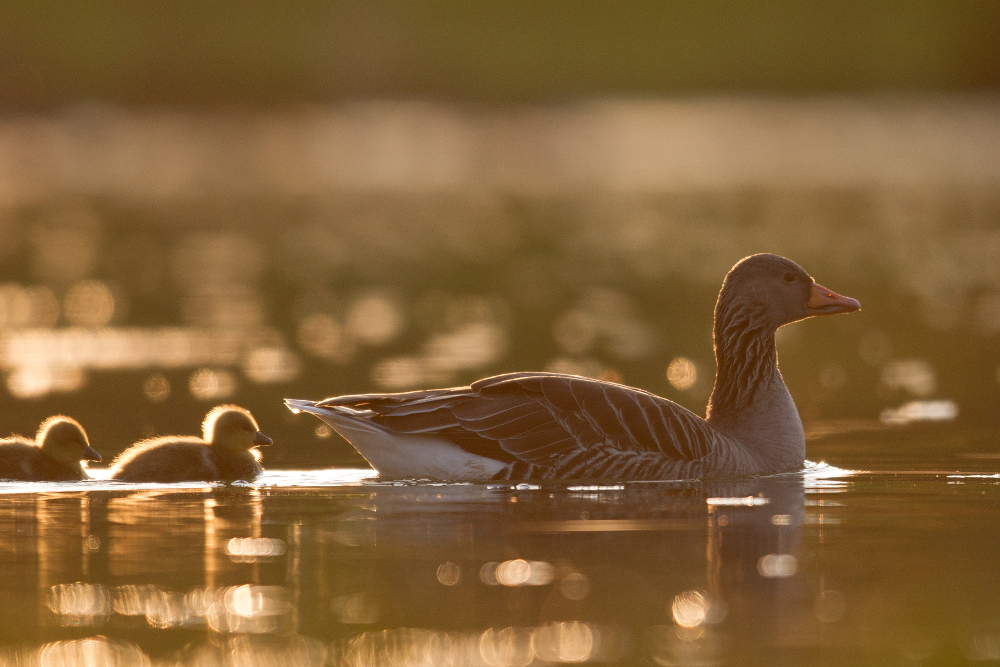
[(552, 426)]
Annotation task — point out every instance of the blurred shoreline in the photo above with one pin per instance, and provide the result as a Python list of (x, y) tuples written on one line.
[(616, 145)]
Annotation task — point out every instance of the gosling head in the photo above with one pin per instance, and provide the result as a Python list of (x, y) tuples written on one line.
[(777, 291), (64, 440), (233, 428)]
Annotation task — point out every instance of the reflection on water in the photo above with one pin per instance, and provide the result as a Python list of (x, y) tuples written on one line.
[(350, 571)]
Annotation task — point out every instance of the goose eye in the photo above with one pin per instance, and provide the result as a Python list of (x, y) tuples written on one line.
[(789, 276)]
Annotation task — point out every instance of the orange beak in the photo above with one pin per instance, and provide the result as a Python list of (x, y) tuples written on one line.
[(826, 302)]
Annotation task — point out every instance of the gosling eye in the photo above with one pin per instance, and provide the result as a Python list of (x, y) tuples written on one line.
[(789, 277)]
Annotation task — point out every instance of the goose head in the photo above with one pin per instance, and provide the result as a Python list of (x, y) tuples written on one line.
[(761, 293), (232, 428), (64, 440), (768, 291)]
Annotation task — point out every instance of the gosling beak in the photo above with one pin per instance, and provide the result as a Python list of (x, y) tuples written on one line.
[(90, 454), (826, 302), (260, 440)]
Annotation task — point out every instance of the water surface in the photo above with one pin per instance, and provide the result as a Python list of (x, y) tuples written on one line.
[(828, 566)]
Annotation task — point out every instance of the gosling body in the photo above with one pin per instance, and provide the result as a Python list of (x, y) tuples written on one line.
[(57, 454), (226, 453)]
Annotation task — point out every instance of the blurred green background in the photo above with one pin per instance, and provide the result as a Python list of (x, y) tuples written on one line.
[(222, 202), (281, 53)]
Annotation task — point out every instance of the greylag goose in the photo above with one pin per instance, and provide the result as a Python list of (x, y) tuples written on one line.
[(552, 426), (55, 455), (226, 452)]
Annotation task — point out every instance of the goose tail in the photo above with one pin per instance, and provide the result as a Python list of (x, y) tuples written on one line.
[(400, 455)]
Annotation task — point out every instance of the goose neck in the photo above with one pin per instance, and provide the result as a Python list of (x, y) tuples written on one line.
[(746, 362)]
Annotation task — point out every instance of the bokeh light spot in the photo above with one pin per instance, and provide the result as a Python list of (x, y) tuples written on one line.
[(156, 388), (89, 304), (774, 566), (575, 586), (320, 335), (449, 574), (830, 606), (689, 609), (571, 641), (374, 319), (269, 365), (914, 375), (208, 384), (682, 373)]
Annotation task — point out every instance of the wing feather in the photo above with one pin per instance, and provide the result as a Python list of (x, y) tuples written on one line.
[(574, 427)]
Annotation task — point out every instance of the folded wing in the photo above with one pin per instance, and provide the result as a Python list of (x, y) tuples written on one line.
[(546, 420)]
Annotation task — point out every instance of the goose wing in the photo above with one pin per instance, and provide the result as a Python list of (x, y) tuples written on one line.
[(544, 419)]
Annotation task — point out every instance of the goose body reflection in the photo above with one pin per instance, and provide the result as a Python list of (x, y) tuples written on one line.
[(226, 452), (55, 455), (551, 426)]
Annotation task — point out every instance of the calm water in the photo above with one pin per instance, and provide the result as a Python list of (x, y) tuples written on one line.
[(830, 567), (156, 263)]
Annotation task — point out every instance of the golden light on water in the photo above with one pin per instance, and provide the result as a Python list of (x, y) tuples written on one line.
[(244, 609), (682, 373), (90, 652), (212, 384), (89, 304), (253, 609), (374, 319), (915, 411), (575, 586), (830, 606), (156, 388), (916, 376), (689, 609), (254, 549), (566, 642), (321, 335), (517, 572), (80, 603), (355, 609), (166, 609), (399, 373), (449, 574), (27, 307), (37, 381), (777, 566), (470, 347), (513, 572), (575, 331), (506, 647), (267, 365)]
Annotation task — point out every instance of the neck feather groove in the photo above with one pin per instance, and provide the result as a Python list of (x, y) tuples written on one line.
[(745, 358)]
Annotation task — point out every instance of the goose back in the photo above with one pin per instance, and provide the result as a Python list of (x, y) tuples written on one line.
[(560, 426)]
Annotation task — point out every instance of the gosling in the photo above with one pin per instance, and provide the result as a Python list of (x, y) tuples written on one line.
[(56, 454), (226, 452)]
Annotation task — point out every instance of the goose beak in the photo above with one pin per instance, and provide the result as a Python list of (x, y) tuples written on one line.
[(90, 454), (827, 302), (261, 440)]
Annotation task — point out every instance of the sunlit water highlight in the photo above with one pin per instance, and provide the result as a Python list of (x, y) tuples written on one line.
[(336, 567)]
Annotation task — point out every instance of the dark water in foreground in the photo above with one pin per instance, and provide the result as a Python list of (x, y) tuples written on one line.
[(828, 567)]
